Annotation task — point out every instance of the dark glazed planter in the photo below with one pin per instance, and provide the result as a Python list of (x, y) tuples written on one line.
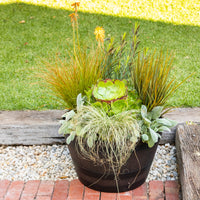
[(94, 177)]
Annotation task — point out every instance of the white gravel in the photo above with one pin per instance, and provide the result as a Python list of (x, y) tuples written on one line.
[(46, 162), (164, 166)]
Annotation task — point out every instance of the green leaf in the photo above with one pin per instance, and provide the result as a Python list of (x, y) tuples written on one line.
[(90, 142), (154, 135), (79, 101), (150, 143), (166, 122), (147, 121), (145, 137), (69, 115), (134, 139), (119, 106), (80, 131), (65, 128), (173, 123), (144, 111), (163, 128), (70, 138), (144, 115), (133, 101), (88, 94), (159, 136), (97, 104), (156, 112), (105, 106)]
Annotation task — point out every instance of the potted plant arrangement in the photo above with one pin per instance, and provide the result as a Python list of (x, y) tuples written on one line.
[(115, 99)]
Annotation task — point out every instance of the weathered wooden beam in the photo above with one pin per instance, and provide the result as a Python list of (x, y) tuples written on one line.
[(30, 135), (188, 154), (168, 137)]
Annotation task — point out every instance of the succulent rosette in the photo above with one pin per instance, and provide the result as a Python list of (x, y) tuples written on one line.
[(109, 90)]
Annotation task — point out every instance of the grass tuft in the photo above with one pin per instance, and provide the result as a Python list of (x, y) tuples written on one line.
[(114, 140), (151, 79), (68, 78)]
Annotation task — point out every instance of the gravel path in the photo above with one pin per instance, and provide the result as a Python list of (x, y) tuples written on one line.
[(47, 162)]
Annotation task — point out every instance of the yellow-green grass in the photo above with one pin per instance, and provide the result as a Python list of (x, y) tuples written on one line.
[(30, 32)]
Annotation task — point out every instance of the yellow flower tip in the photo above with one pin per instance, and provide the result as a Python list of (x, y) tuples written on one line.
[(76, 4), (100, 33)]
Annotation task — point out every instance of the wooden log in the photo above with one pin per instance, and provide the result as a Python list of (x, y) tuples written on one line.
[(168, 137), (30, 135), (30, 117), (30, 127), (188, 154)]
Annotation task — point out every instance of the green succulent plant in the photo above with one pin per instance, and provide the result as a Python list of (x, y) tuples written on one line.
[(113, 97), (109, 90)]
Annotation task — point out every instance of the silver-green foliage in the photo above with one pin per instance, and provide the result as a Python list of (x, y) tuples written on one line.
[(152, 124), (91, 125)]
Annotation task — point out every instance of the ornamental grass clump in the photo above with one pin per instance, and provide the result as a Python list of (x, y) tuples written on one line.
[(109, 144), (151, 79), (78, 71), (68, 78)]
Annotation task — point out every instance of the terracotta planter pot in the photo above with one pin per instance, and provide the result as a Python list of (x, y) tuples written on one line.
[(94, 177)]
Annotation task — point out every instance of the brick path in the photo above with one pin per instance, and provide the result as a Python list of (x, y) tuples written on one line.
[(74, 190)]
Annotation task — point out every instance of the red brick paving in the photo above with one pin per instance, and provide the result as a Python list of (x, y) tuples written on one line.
[(171, 190), (14, 190), (3, 188), (91, 194), (30, 190), (45, 188), (140, 192), (125, 196), (108, 196), (61, 190), (74, 190), (156, 190)]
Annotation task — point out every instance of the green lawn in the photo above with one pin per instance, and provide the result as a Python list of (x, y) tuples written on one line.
[(45, 30)]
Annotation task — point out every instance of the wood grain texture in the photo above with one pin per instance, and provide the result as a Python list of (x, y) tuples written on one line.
[(188, 153), (30, 135)]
